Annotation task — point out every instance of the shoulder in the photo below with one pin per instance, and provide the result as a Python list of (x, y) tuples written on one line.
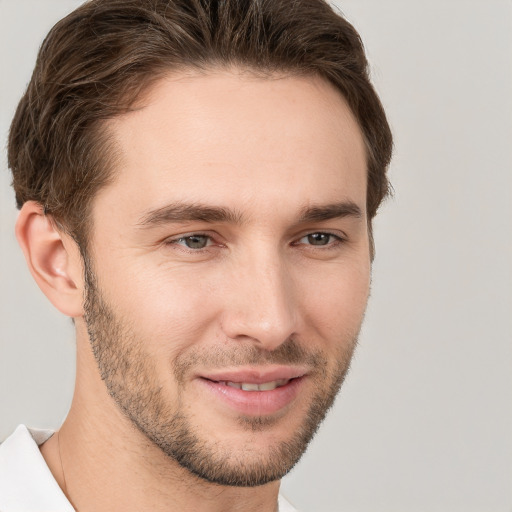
[(26, 483)]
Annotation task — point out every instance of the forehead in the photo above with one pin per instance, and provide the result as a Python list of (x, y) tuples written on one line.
[(228, 137)]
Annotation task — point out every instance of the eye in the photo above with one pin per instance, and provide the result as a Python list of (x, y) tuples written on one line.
[(319, 239), (193, 241)]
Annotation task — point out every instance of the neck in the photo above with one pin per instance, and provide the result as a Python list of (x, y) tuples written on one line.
[(102, 463)]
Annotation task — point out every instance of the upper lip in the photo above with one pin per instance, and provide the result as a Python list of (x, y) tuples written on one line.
[(255, 375)]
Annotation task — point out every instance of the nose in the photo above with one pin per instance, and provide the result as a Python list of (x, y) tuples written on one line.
[(261, 305)]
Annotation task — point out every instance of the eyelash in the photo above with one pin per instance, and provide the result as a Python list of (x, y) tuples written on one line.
[(337, 239), (176, 241), (333, 241)]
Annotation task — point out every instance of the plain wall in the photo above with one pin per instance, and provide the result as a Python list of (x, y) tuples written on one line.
[(424, 420)]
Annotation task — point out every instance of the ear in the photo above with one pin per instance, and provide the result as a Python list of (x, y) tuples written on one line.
[(53, 259)]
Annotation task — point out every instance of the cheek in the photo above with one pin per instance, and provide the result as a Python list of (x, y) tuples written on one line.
[(334, 303), (171, 308)]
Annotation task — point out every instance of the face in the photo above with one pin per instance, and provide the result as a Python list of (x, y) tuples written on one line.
[(229, 268)]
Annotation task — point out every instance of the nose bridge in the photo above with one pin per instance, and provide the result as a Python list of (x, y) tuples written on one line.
[(263, 306)]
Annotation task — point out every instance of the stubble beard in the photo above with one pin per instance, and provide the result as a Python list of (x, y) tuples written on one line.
[(129, 375)]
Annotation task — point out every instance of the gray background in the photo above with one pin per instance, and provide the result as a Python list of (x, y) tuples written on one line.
[(424, 421)]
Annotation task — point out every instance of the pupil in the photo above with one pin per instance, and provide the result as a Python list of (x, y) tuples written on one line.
[(195, 242), (318, 239)]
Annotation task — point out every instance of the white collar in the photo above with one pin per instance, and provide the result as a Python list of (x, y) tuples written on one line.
[(26, 482)]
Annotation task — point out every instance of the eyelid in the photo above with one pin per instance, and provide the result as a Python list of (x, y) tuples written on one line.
[(175, 239), (339, 237)]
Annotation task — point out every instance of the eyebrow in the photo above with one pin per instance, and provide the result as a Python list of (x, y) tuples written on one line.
[(330, 211), (184, 212)]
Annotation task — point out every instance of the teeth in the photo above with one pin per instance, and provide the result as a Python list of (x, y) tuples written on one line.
[(249, 386), (269, 386)]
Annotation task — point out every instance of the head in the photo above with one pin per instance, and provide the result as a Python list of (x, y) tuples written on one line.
[(146, 117)]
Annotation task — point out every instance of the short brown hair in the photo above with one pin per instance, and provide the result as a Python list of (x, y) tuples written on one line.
[(95, 62)]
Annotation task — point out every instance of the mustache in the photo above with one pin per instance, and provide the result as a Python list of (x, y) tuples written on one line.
[(247, 354)]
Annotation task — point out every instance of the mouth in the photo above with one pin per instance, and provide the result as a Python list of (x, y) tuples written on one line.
[(255, 393)]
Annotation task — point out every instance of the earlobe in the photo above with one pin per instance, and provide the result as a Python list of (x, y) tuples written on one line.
[(52, 258)]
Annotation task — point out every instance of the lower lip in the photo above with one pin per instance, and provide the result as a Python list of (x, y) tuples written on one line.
[(255, 403)]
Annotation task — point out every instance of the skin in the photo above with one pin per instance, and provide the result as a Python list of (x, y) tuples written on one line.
[(266, 149)]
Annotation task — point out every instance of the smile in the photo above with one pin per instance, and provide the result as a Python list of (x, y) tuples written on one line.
[(255, 392), (250, 386)]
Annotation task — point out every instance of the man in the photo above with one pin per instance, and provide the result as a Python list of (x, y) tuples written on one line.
[(196, 183)]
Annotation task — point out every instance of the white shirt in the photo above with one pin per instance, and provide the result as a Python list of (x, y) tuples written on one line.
[(26, 482)]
